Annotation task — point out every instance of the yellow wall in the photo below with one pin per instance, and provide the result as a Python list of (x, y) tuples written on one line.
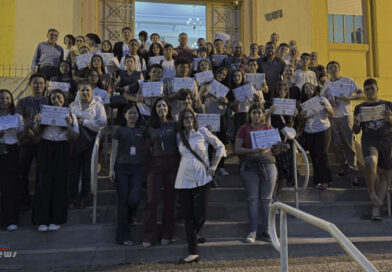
[(7, 30), (32, 21)]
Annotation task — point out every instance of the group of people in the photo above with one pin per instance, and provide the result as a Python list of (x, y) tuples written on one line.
[(158, 91)]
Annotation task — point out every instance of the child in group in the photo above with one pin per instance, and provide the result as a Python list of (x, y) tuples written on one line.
[(303, 74), (169, 69)]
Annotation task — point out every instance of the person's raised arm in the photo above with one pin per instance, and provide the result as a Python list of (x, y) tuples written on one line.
[(113, 156)]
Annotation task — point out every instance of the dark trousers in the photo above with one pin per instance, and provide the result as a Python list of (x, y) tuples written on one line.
[(194, 203), (80, 164), (318, 145), (48, 71), (26, 155), (239, 120), (129, 179), (162, 173), (51, 196), (9, 185)]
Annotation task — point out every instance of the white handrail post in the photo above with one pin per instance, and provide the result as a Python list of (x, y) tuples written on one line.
[(294, 147), (284, 255)]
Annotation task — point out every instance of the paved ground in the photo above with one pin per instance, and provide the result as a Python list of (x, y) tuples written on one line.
[(383, 262)]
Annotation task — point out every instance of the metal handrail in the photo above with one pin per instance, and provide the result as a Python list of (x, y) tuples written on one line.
[(282, 246), (94, 175), (21, 82), (296, 146)]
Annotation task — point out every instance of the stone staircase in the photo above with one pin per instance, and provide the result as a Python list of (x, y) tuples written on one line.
[(79, 243)]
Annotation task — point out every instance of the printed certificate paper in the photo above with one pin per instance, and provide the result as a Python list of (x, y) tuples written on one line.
[(157, 59), (218, 90), (256, 80), (209, 119), (265, 138), (338, 89), (312, 106), (284, 106), (54, 116), (183, 82), (204, 77), (152, 89), (107, 58), (244, 92), (372, 113), (9, 121), (83, 60), (64, 86), (219, 59)]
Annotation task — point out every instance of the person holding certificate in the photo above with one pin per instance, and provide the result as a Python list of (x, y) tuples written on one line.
[(127, 80), (155, 54), (79, 72), (194, 176), (374, 118), (126, 170), (11, 131), (161, 141), (64, 74), (91, 119), (51, 196), (317, 136), (258, 171)]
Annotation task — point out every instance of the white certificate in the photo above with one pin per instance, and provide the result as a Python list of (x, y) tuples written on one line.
[(204, 77), (256, 79), (223, 36), (196, 62), (152, 89), (8, 121), (219, 59), (107, 58), (156, 60), (183, 83), (338, 89), (372, 113), (83, 60), (64, 86), (209, 119), (244, 92), (54, 116), (218, 90), (265, 138), (312, 106), (284, 106), (169, 74)]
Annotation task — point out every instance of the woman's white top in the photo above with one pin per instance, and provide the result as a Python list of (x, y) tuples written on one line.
[(15, 124), (94, 116), (191, 172), (57, 134), (319, 121)]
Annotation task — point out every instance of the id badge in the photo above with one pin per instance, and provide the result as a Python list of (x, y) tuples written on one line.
[(132, 151)]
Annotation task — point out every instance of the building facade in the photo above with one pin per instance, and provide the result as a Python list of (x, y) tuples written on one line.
[(356, 33)]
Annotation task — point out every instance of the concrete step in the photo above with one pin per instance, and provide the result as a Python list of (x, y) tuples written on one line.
[(213, 249), (28, 237)]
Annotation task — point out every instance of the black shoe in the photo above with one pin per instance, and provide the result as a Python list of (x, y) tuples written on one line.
[(354, 182), (266, 237), (132, 219), (200, 239)]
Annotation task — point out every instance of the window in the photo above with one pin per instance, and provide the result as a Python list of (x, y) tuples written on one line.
[(345, 21)]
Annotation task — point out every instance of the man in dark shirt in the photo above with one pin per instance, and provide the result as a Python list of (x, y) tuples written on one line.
[(48, 55), (29, 107), (121, 49), (376, 143), (238, 61), (183, 50), (272, 66)]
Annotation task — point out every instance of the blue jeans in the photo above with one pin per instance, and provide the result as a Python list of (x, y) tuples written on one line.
[(129, 179), (259, 186)]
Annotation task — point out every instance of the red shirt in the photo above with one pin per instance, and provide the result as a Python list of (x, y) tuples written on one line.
[(244, 133), (185, 53)]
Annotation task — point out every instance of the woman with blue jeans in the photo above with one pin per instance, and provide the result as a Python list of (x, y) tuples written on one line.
[(258, 172), (126, 170)]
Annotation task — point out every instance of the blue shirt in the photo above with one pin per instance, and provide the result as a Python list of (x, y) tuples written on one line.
[(47, 54)]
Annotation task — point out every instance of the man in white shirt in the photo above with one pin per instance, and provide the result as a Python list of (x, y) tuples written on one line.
[(303, 74), (340, 91)]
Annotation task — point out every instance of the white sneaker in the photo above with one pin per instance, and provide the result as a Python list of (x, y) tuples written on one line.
[(12, 227), (147, 244), (251, 238), (54, 227), (165, 242), (43, 228)]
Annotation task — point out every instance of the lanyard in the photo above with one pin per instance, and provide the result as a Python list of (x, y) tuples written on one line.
[(133, 136)]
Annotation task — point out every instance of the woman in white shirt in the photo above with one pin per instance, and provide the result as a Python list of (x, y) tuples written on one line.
[(11, 132), (91, 119), (51, 198), (317, 137), (195, 175)]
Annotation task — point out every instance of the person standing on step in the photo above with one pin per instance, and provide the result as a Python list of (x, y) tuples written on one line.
[(194, 175), (51, 196), (29, 107), (317, 136), (126, 170), (9, 182), (91, 119), (121, 49), (258, 171), (340, 91), (376, 144), (161, 140)]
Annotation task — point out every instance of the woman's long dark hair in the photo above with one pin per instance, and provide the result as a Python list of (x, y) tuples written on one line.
[(12, 106), (151, 54), (232, 84), (110, 44), (255, 106), (303, 95), (127, 108), (103, 64), (59, 75), (276, 90), (155, 121), (66, 102)]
